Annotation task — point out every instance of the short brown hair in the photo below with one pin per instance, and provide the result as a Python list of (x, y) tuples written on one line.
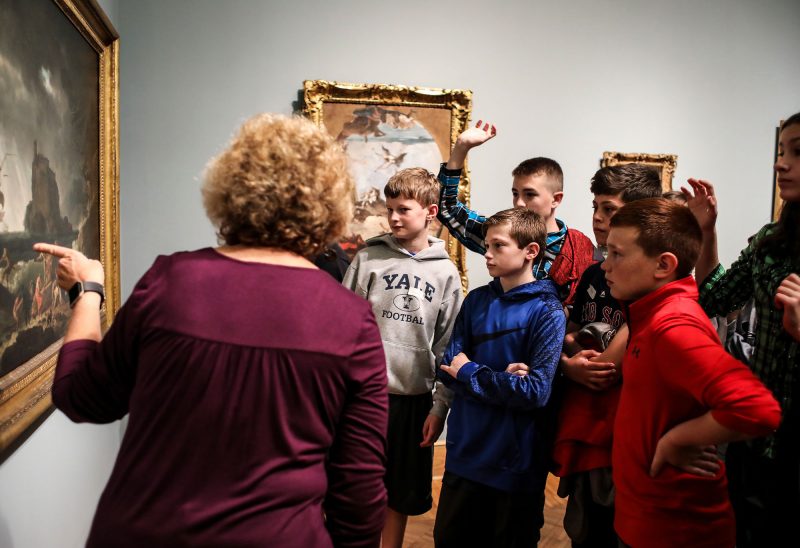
[(525, 226), (414, 183), (282, 182), (664, 227), (628, 181), (539, 166)]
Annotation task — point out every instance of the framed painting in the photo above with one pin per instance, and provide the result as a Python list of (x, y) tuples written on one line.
[(777, 202), (664, 163), (59, 183), (386, 128)]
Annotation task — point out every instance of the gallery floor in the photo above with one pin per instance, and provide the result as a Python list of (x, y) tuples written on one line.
[(419, 532)]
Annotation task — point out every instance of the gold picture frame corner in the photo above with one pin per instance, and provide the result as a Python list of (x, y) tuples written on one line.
[(666, 164)]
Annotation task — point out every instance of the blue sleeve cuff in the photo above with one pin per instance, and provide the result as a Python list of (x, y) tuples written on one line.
[(466, 371)]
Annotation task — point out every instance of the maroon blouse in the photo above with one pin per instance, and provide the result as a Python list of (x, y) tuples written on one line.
[(257, 401)]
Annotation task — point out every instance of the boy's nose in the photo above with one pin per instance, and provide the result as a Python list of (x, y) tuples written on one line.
[(519, 202)]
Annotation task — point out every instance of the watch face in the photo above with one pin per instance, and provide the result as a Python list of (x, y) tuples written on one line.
[(75, 292)]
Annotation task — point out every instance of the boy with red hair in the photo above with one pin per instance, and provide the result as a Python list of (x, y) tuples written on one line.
[(682, 394)]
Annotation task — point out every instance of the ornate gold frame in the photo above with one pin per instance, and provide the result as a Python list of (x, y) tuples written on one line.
[(665, 163), (25, 391), (459, 102)]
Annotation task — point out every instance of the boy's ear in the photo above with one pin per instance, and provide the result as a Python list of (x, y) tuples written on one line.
[(666, 265), (433, 210), (557, 197), (532, 251)]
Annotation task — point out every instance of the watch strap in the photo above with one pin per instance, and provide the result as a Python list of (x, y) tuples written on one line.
[(80, 288)]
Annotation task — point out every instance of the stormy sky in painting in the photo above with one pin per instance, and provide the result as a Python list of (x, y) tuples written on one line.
[(48, 93)]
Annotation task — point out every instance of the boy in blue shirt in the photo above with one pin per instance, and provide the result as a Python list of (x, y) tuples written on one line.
[(496, 465)]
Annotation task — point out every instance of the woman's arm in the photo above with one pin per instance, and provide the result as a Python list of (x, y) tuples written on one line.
[(74, 267)]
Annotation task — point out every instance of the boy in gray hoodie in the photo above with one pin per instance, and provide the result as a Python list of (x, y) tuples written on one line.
[(415, 292)]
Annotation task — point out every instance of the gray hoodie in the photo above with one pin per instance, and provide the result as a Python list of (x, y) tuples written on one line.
[(415, 299)]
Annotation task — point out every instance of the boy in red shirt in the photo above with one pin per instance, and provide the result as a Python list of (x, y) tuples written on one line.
[(682, 393)]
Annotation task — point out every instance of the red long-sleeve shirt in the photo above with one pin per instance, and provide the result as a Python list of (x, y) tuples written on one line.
[(258, 408), (675, 370)]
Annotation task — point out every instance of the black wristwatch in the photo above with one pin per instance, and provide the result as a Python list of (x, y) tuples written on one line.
[(82, 287)]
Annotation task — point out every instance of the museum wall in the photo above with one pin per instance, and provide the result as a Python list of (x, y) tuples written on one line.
[(706, 82)]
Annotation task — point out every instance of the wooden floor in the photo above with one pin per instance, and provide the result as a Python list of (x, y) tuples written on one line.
[(419, 532)]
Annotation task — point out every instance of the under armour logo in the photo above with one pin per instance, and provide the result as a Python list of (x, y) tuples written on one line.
[(635, 352)]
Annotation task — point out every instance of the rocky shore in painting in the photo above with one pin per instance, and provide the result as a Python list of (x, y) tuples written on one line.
[(33, 309)]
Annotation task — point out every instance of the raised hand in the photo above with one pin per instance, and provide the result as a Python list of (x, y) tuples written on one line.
[(702, 202), (698, 460), (73, 266), (593, 375), (476, 136), (787, 297), (470, 138)]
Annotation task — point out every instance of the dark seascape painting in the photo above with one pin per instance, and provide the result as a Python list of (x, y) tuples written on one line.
[(49, 169)]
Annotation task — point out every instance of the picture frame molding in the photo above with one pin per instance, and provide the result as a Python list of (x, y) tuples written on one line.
[(666, 163), (459, 101), (25, 400)]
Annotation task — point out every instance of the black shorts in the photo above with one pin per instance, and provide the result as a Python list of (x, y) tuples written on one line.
[(409, 467), (473, 514)]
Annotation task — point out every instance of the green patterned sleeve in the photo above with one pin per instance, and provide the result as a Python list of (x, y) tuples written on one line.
[(724, 291)]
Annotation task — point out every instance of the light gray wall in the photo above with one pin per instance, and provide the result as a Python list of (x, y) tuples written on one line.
[(707, 81)]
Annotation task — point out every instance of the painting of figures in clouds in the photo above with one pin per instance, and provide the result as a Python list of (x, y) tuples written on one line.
[(380, 141), (49, 168), (384, 128)]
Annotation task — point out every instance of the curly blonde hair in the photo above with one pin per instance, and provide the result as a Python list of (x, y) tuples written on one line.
[(282, 182)]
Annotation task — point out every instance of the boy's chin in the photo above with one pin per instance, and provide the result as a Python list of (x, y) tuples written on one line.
[(617, 294)]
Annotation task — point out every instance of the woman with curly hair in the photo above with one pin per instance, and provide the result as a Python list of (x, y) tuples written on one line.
[(764, 474), (255, 384)]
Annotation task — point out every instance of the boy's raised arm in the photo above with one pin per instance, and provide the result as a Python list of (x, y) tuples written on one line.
[(463, 223), (469, 138)]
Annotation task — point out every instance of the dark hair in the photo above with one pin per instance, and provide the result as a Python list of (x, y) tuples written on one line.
[(675, 196), (537, 166), (791, 120), (664, 227), (785, 238), (525, 226), (629, 181)]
